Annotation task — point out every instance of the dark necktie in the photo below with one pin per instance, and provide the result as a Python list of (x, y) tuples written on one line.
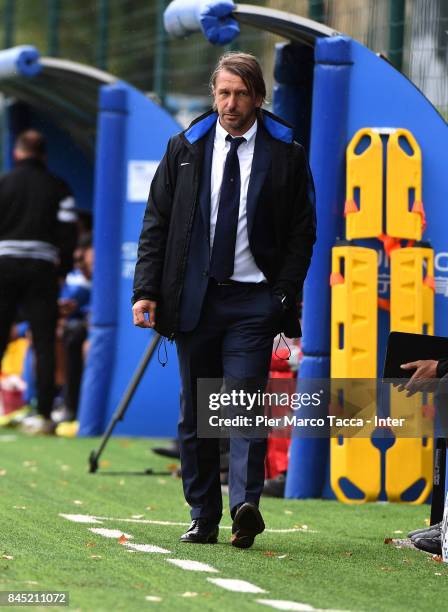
[(223, 252)]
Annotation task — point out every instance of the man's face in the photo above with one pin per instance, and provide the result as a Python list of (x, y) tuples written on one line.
[(235, 105)]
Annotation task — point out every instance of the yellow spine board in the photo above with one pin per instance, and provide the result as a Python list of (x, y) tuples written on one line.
[(360, 462), (410, 459), (411, 298), (404, 172), (365, 172), (353, 455), (354, 313)]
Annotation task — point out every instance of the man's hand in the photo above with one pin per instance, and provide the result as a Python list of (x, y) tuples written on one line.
[(139, 310), (425, 370)]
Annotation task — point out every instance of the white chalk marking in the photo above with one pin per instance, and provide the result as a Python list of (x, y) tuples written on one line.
[(280, 604), (110, 533), (240, 586), (293, 606), (80, 518), (194, 566), (153, 598), (148, 548), (84, 518)]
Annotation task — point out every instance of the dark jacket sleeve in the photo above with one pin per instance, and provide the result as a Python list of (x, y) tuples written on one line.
[(301, 231), (442, 368), (154, 234)]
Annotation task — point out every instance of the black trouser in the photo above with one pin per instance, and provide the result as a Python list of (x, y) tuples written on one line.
[(31, 284), (75, 333)]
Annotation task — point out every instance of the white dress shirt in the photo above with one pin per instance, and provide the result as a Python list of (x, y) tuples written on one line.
[(245, 268)]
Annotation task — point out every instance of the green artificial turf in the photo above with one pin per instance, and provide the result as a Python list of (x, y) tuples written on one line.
[(340, 562)]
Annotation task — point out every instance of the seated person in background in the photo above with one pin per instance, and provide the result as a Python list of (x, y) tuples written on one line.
[(428, 539), (74, 309)]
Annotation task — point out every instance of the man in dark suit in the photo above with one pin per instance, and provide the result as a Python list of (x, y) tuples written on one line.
[(225, 247)]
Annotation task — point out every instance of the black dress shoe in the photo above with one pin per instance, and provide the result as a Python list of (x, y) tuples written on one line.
[(247, 523), (430, 542), (275, 487), (201, 531), (420, 532), (172, 451)]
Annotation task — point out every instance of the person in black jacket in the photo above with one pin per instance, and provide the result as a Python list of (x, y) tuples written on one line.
[(224, 250), (425, 377), (38, 233)]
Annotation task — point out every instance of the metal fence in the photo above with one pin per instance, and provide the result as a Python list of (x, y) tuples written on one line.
[(126, 37)]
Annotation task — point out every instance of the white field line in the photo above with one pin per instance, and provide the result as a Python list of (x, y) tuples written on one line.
[(280, 604), (240, 586), (85, 518), (193, 566), (230, 584), (147, 548), (8, 438), (293, 606), (110, 533)]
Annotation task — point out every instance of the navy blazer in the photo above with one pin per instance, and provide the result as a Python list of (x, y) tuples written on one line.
[(259, 224)]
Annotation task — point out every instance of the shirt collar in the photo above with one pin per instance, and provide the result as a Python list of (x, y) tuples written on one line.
[(221, 133)]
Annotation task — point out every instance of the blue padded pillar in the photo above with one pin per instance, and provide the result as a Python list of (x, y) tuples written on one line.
[(308, 456), (109, 196)]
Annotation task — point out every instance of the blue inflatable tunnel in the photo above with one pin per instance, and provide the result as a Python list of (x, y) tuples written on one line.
[(105, 138)]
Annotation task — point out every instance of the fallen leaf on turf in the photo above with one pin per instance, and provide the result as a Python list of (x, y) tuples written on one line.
[(189, 594), (388, 540), (172, 467), (161, 481), (8, 557), (282, 557), (3, 472), (121, 482), (28, 463), (33, 485), (437, 574), (90, 544), (153, 598), (387, 569), (269, 553), (78, 502), (398, 531), (95, 557), (288, 512), (19, 507), (138, 585), (348, 554), (149, 508), (122, 539), (104, 463), (437, 558), (65, 468)]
